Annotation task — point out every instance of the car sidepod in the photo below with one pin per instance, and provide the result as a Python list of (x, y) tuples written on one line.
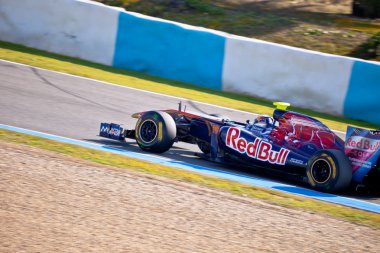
[(245, 145)]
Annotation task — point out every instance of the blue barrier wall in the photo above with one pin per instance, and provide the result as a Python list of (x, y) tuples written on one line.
[(169, 50), (200, 56), (363, 94)]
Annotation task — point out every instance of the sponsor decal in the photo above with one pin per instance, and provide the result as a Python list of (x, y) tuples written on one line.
[(114, 131), (104, 129), (258, 149), (362, 143), (363, 151), (357, 163), (296, 161)]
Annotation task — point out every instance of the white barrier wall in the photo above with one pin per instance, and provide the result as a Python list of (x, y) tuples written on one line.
[(111, 36), (82, 29), (304, 78)]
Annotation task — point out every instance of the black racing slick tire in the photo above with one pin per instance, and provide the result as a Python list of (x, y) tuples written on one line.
[(329, 171), (155, 131)]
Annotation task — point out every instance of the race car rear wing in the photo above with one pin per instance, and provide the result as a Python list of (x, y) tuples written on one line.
[(362, 147)]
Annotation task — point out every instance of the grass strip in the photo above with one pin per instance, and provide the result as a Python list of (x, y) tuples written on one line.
[(271, 196), (42, 59)]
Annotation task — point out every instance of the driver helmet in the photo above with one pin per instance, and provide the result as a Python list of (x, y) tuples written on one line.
[(263, 121)]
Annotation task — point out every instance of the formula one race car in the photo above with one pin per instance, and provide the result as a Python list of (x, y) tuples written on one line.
[(288, 142)]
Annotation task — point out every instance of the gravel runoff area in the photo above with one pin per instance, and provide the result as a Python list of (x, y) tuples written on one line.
[(54, 203)]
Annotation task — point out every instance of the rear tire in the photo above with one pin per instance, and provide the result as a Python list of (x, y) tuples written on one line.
[(329, 171), (155, 131)]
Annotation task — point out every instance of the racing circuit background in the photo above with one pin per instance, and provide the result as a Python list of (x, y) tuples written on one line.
[(46, 103), (75, 105), (213, 59), (196, 55)]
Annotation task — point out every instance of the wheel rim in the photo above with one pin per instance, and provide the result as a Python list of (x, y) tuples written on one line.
[(148, 131), (321, 171)]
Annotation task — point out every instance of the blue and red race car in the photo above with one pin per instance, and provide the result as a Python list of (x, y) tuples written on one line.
[(288, 142)]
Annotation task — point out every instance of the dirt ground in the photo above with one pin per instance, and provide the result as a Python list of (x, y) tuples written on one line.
[(54, 203)]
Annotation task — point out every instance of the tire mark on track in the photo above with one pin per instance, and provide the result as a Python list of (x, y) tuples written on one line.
[(45, 80)]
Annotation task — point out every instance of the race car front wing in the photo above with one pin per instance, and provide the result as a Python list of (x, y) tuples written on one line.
[(115, 131)]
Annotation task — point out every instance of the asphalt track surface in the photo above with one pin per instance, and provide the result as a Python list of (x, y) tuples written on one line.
[(73, 107)]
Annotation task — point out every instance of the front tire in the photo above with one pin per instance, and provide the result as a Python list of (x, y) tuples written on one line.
[(155, 131), (329, 171)]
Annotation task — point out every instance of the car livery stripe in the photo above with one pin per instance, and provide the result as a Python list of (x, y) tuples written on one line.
[(265, 183)]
